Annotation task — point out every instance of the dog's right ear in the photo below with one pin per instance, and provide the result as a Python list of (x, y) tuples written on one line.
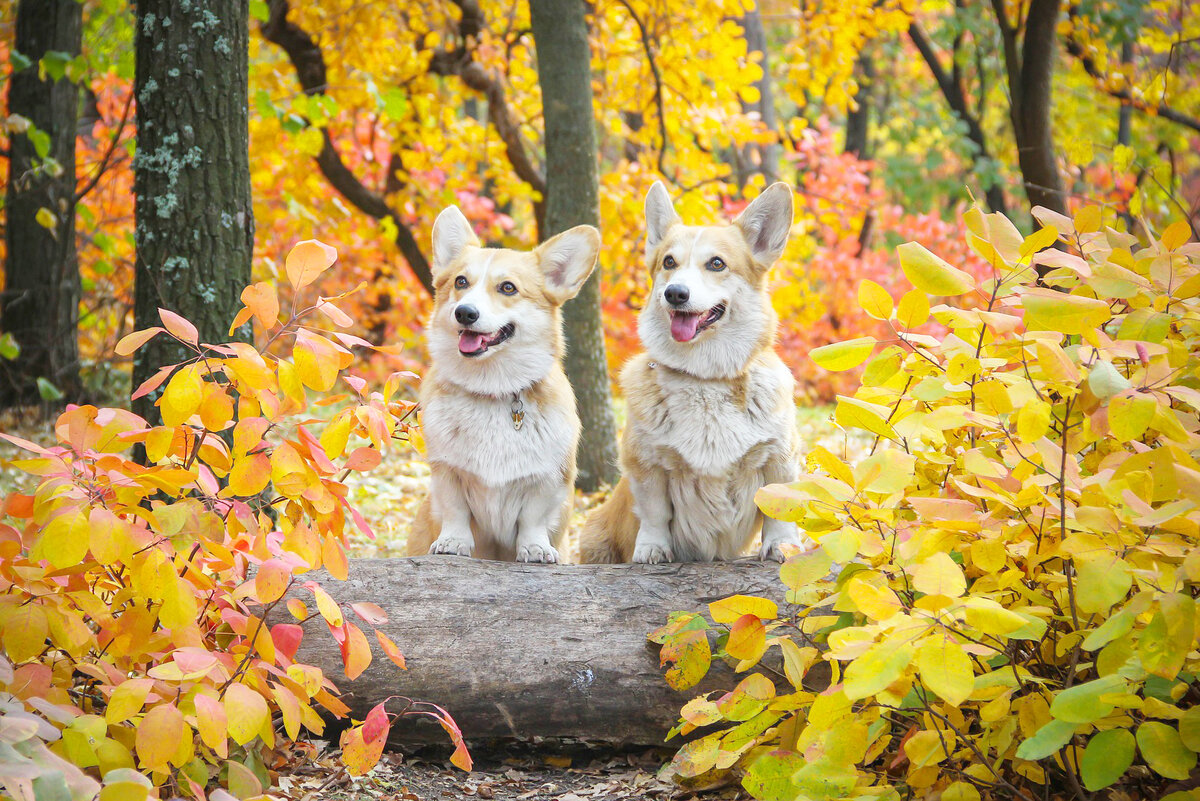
[(660, 216), (452, 234)]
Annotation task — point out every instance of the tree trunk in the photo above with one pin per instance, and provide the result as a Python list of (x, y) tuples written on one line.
[(573, 198), (40, 302), (519, 651), (858, 119), (1029, 63), (767, 155), (195, 224)]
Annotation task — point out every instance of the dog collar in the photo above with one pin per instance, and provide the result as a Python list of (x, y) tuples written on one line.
[(518, 411)]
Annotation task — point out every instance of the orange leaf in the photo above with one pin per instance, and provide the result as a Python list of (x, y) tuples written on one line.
[(358, 754), (371, 613), (333, 555), (178, 327), (271, 580), (243, 315), (131, 342), (212, 724), (153, 382), (159, 736), (363, 459), (307, 260), (356, 651), (747, 639), (389, 648), (250, 475), (262, 301)]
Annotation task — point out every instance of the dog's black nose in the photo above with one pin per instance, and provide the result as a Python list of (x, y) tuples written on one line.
[(466, 314), (676, 294)]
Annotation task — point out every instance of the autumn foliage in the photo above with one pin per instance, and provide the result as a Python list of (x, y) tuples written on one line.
[(151, 612), (1001, 603)]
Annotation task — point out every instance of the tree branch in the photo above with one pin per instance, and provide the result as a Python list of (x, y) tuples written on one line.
[(1076, 49), (658, 86), (476, 77), (108, 153), (309, 63)]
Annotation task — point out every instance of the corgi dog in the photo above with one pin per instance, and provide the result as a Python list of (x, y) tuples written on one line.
[(498, 414), (710, 416)]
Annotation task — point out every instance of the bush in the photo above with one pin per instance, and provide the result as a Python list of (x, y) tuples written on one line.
[(137, 636), (1004, 589)]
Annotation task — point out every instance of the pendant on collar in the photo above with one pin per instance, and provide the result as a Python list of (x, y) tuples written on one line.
[(518, 412)]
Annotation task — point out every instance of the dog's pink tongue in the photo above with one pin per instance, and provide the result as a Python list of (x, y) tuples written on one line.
[(470, 342), (684, 325)]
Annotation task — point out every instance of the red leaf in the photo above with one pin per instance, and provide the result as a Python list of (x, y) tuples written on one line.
[(370, 612), (286, 637), (376, 724)]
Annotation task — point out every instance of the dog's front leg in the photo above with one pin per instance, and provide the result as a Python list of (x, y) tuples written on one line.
[(539, 515), (450, 507), (652, 505), (780, 469)]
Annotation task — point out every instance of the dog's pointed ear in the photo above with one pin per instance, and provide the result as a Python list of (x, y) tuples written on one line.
[(660, 216), (767, 222), (567, 260), (452, 234)]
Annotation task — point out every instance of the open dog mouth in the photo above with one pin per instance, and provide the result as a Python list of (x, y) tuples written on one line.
[(685, 325), (476, 343)]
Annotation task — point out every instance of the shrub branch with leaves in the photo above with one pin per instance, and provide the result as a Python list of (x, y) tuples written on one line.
[(1003, 595), (151, 614)]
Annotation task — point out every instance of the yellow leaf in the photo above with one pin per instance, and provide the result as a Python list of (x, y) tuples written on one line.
[(1130, 414), (246, 712), (991, 618), (250, 475), (1047, 310), (328, 608), (932, 274), (874, 300), (25, 631), (843, 355), (1033, 420), (913, 309), (730, 609), (946, 669), (939, 575), (872, 672), (316, 360), (1176, 235), (307, 260), (127, 699), (1087, 220), (877, 603), (182, 396), (46, 218), (335, 435)]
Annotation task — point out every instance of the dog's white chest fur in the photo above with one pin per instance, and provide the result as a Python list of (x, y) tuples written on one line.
[(708, 427), (476, 434)]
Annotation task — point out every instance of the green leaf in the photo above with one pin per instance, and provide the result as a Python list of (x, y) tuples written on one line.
[(48, 391), (1189, 728), (20, 61), (1164, 751), (1130, 415), (1082, 704), (770, 776), (1107, 756), (1046, 740), (9, 349), (1105, 380), (54, 64), (259, 10), (40, 141), (931, 274), (843, 355), (1102, 583), (805, 569)]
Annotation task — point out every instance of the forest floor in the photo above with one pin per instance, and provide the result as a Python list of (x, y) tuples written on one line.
[(388, 497)]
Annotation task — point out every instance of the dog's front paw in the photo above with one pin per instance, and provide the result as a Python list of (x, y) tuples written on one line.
[(452, 545), (537, 552), (652, 553), (778, 550)]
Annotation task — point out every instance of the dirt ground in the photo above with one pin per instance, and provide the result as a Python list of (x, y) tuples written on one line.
[(516, 774)]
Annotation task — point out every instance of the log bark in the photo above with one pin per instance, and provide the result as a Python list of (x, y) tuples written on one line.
[(517, 651)]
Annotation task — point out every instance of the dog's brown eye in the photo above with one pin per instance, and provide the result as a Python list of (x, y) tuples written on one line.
[(669, 263), (508, 288), (716, 265), (460, 282)]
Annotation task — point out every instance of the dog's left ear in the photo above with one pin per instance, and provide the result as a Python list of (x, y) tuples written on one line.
[(767, 222), (567, 260)]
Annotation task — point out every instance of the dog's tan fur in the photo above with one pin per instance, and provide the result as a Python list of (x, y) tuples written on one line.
[(709, 420)]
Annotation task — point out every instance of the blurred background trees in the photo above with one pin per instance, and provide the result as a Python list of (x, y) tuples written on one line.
[(889, 118)]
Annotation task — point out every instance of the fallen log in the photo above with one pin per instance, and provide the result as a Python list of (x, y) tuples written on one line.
[(523, 651)]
